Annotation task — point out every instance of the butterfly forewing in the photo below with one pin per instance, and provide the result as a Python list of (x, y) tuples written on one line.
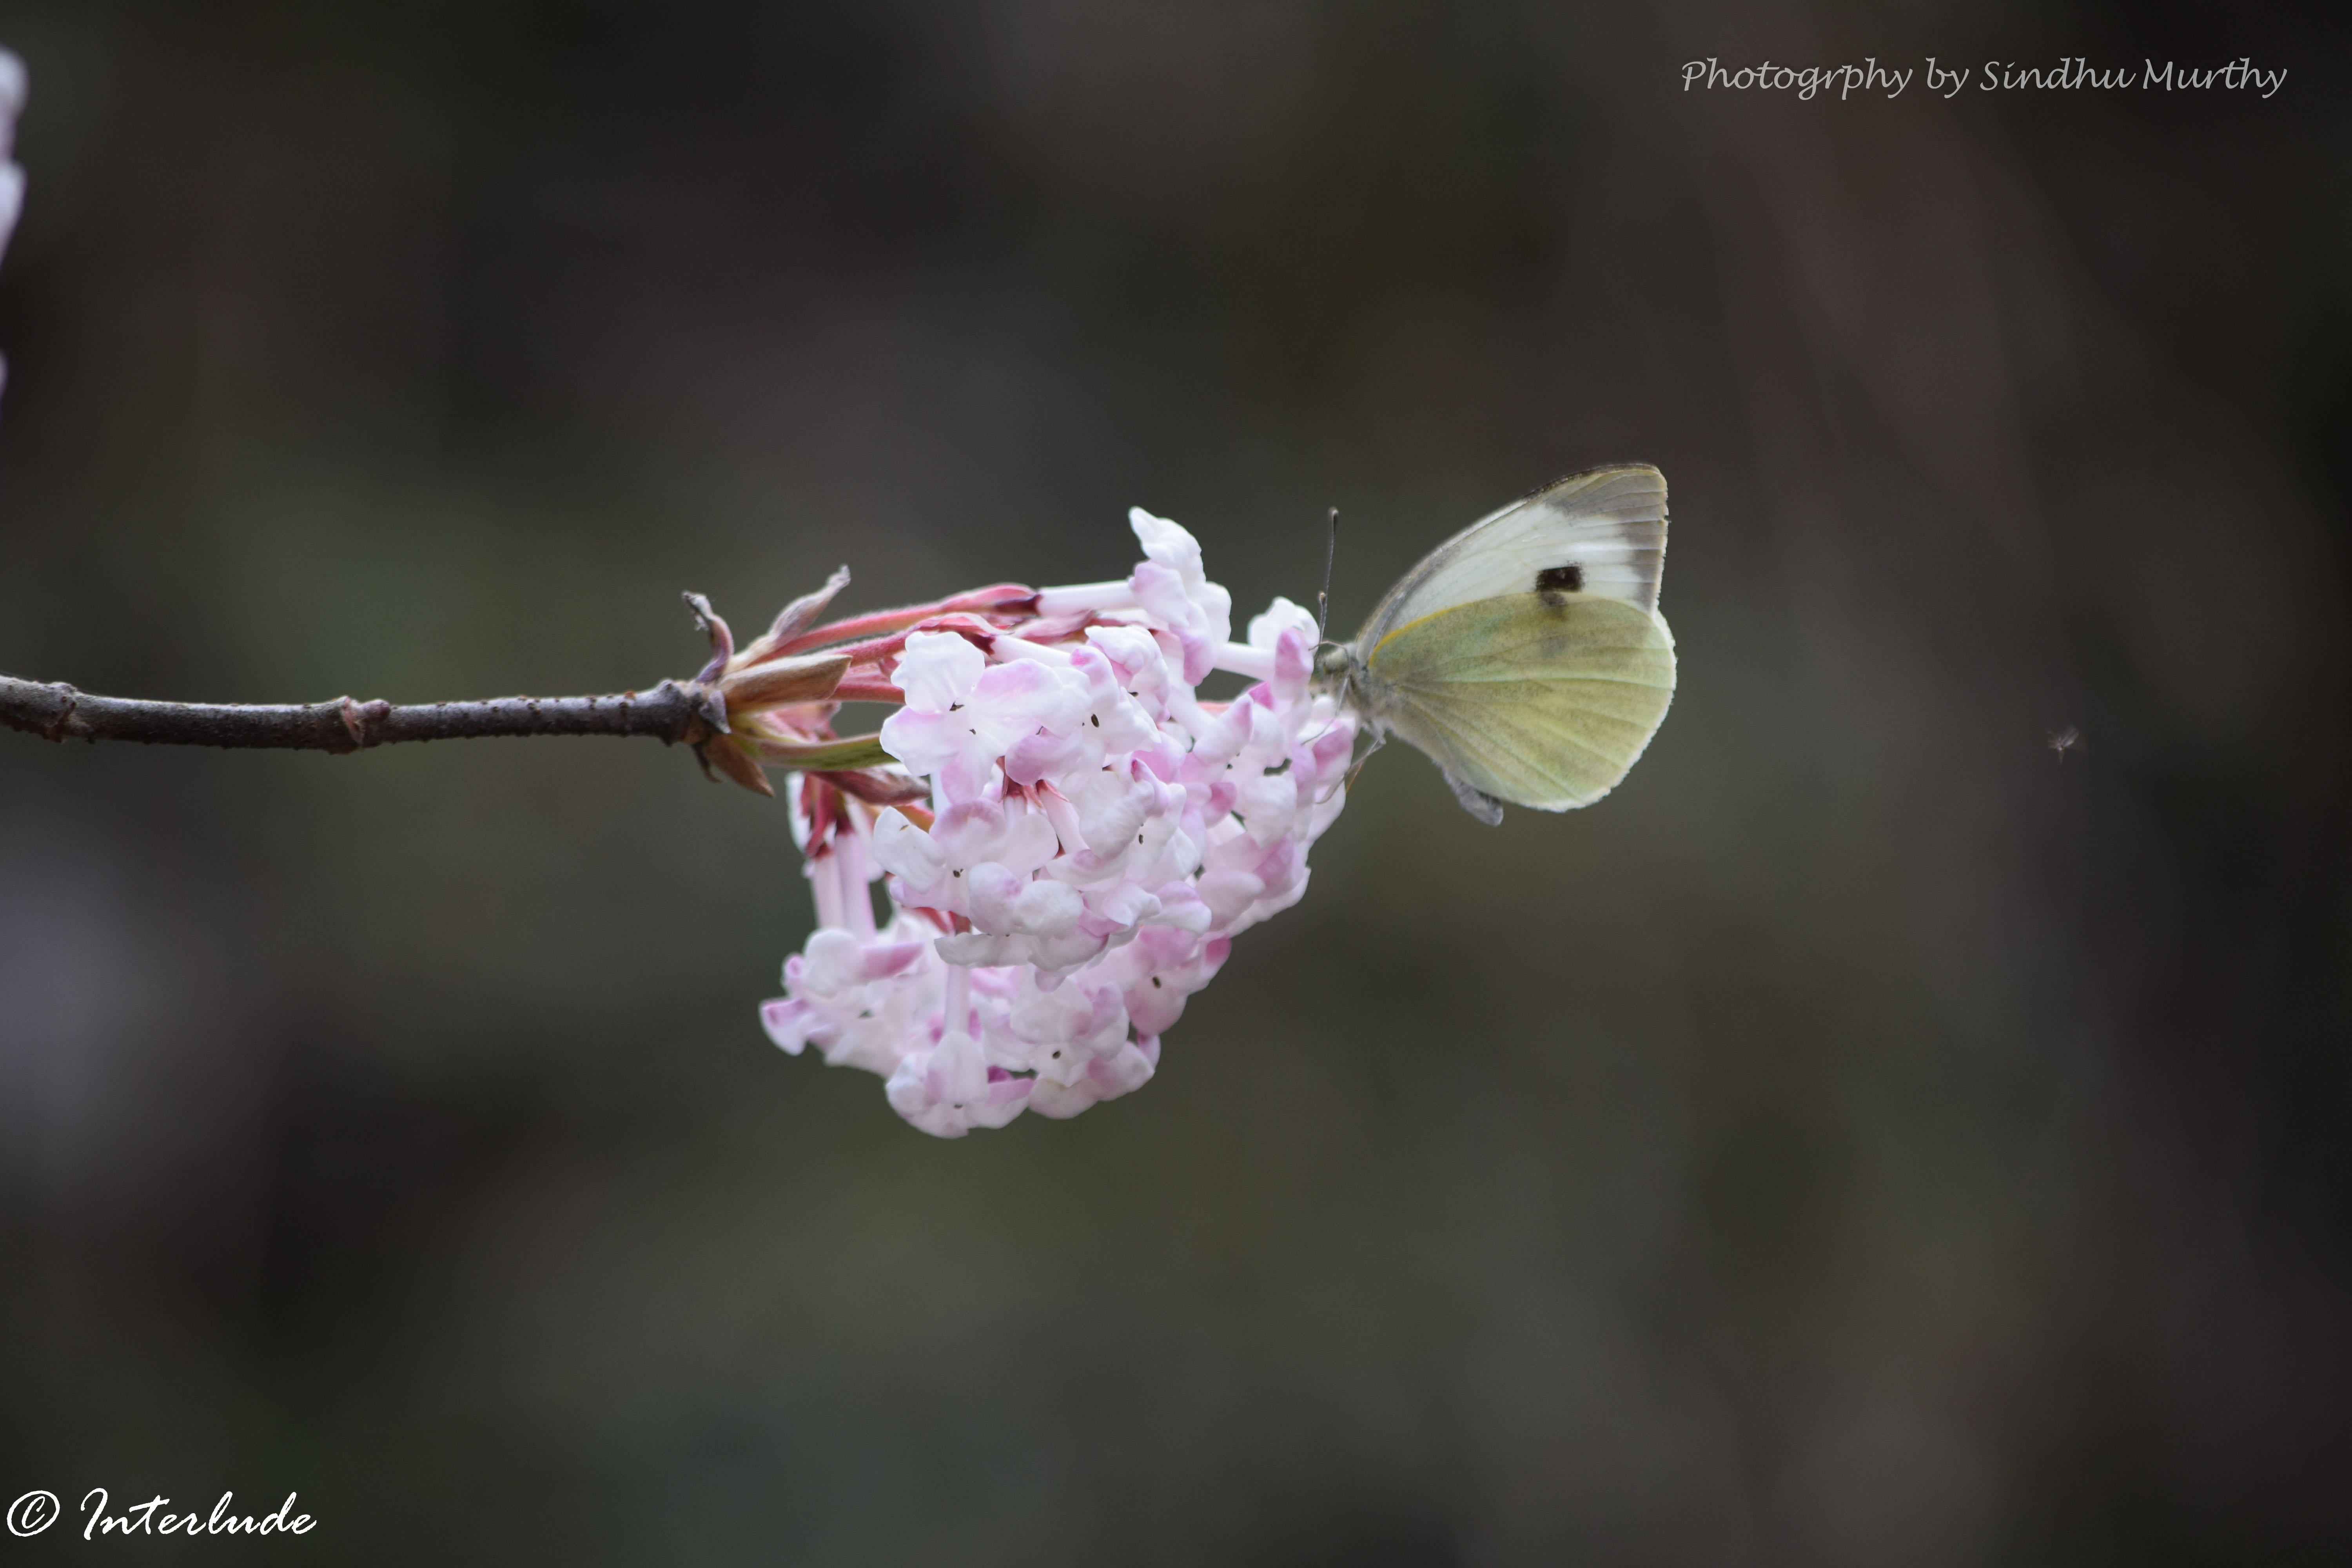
[(1542, 699), (1604, 529)]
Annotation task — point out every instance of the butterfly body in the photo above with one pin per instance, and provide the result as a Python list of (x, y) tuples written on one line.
[(1525, 655)]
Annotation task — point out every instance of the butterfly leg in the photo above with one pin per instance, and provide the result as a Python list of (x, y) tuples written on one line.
[(1380, 738)]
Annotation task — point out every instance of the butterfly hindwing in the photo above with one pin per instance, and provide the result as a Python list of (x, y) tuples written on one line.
[(1539, 700)]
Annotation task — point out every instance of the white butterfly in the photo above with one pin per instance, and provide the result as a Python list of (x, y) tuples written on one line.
[(1526, 655)]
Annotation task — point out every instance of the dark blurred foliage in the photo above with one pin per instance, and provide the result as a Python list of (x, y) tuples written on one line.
[(1865, 1139)]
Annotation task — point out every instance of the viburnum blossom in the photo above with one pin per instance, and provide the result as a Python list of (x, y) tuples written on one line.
[(1069, 838)]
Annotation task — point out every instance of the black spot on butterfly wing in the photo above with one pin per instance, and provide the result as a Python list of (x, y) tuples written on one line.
[(1557, 582)]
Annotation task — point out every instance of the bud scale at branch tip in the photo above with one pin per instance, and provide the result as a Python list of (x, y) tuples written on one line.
[(724, 755), (722, 641), (1095, 837), (784, 682)]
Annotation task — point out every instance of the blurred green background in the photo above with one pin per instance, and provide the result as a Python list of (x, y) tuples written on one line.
[(1864, 1138)]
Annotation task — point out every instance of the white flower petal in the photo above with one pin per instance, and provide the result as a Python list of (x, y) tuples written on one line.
[(1048, 908), (939, 670), (1167, 543), (905, 850), (1280, 616)]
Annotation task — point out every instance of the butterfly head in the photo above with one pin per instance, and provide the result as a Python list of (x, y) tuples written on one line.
[(1336, 669)]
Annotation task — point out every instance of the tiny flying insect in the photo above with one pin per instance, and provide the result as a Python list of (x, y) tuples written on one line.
[(1525, 655), (2067, 740)]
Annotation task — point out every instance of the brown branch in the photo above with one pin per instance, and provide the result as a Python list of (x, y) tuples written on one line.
[(693, 711), (673, 711)]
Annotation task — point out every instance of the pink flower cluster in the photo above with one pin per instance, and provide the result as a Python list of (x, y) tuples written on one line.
[(1095, 837)]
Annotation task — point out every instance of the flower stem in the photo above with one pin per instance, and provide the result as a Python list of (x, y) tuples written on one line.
[(1002, 599), (827, 756)]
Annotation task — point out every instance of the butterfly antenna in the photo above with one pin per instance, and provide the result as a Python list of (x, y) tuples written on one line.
[(1323, 599)]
